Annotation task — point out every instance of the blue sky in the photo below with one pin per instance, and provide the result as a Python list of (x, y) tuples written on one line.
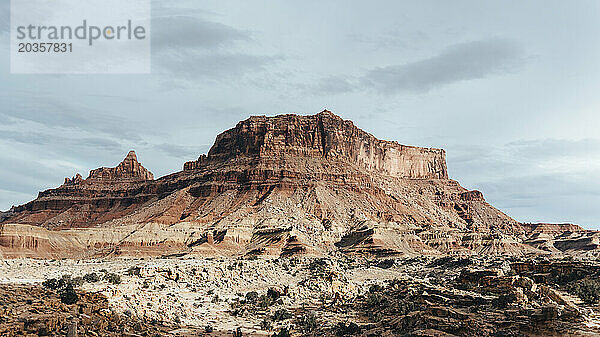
[(509, 89)]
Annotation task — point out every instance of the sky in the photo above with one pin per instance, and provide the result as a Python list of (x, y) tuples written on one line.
[(509, 89)]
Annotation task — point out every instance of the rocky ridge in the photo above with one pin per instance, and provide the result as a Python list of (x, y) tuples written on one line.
[(107, 193), (128, 170), (6, 215), (551, 228), (282, 185)]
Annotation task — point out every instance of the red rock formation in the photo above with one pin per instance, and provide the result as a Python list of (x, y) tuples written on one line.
[(193, 165), (276, 184), (327, 137), (77, 179), (473, 195), (128, 170), (551, 228), (7, 214), (106, 194)]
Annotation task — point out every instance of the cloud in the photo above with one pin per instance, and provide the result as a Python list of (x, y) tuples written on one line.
[(4, 18), (536, 157), (9, 198), (333, 85), (190, 47), (552, 155), (63, 143), (5, 120), (460, 62), (397, 39), (547, 197), (552, 148), (22, 174), (215, 66), (54, 113), (178, 151), (190, 32), (534, 180)]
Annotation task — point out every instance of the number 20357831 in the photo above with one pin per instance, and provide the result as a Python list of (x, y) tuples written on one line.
[(45, 47)]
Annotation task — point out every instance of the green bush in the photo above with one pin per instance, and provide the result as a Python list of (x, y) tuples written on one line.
[(318, 266), (351, 329), (281, 314), (406, 306), (375, 288), (386, 264), (264, 301), (68, 295), (284, 332), (587, 289), (308, 322), (64, 281), (376, 300), (273, 294), (77, 281), (134, 271), (113, 278), (266, 324), (251, 296), (91, 277), (52, 284)]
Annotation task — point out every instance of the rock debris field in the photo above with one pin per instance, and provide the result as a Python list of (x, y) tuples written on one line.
[(336, 296)]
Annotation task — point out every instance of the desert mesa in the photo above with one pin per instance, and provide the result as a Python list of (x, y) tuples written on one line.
[(286, 185)]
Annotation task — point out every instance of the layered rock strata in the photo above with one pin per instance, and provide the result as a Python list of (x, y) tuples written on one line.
[(106, 194), (287, 184), (324, 136), (551, 228)]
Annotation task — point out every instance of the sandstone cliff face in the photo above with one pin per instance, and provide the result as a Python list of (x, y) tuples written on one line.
[(275, 185), (327, 137)]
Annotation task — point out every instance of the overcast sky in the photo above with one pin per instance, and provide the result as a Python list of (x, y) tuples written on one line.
[(511, 90)]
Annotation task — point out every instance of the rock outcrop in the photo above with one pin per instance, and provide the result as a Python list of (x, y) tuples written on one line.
[(128, 170), (286, 185), (563, 238), (6, 215), (31, 310), (551, 228), (324, 136), (106, 194)]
